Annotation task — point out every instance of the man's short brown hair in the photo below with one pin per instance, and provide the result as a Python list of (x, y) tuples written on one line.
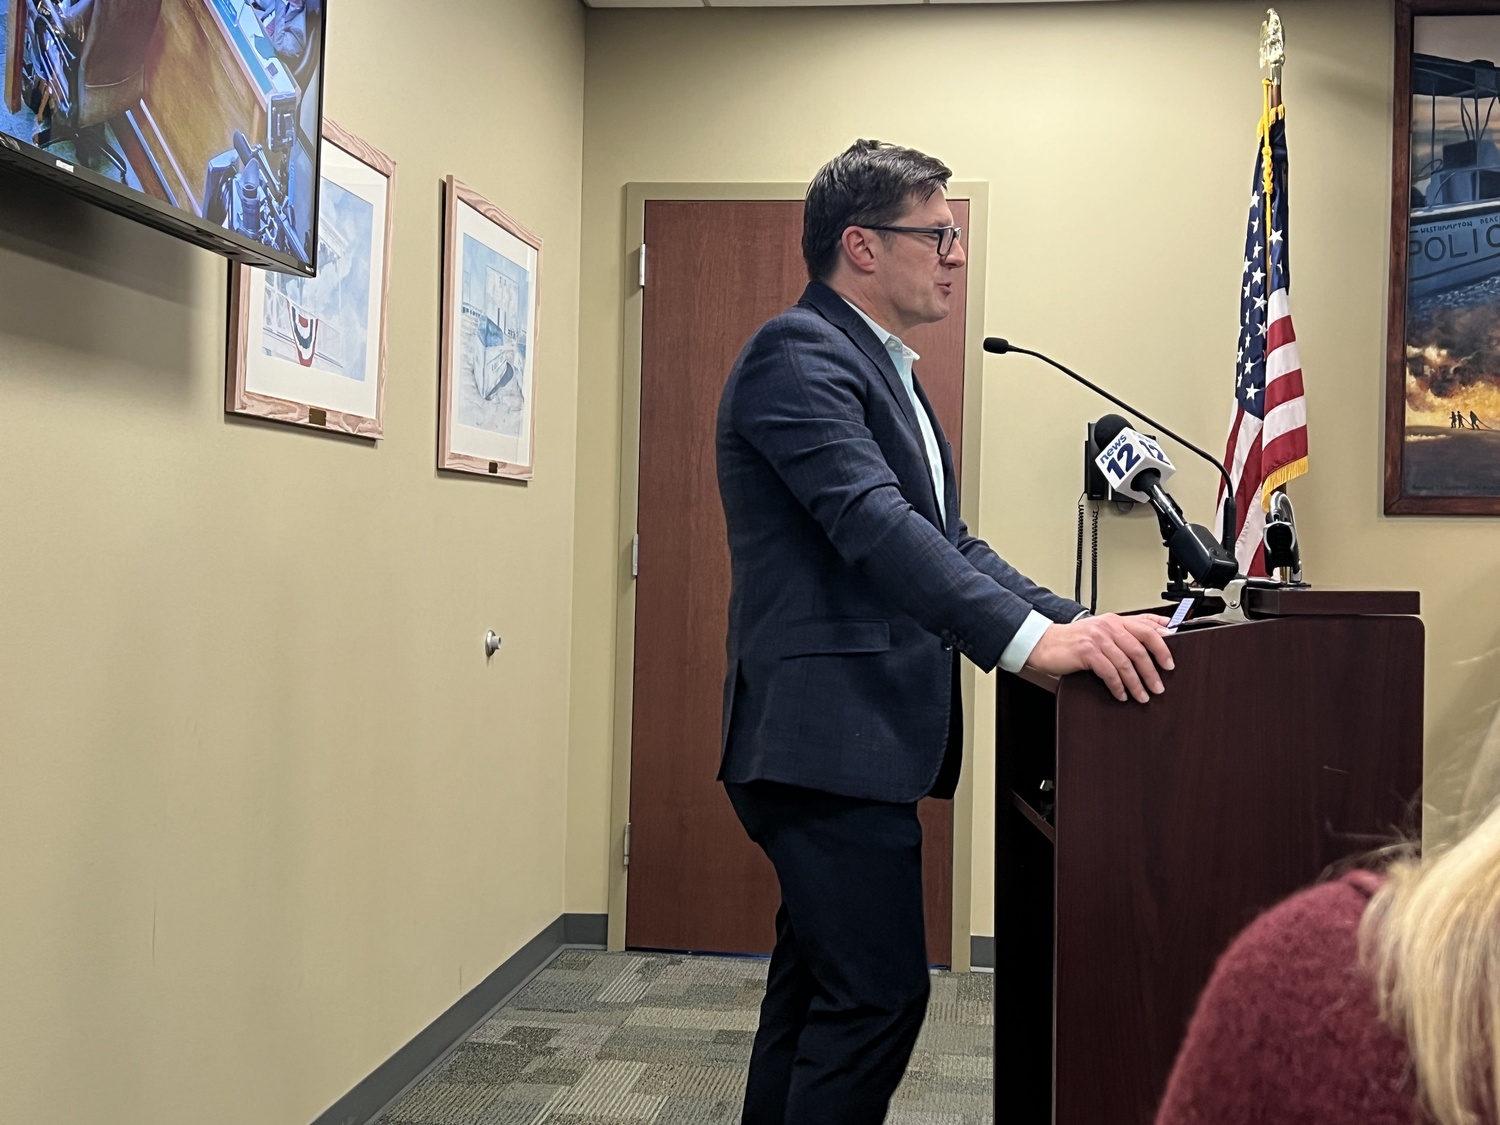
[(870, 183)]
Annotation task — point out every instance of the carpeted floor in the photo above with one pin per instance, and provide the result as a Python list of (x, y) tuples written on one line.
[(659, 1039)]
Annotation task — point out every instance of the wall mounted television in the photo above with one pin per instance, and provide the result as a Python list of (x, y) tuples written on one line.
[(200, 117)]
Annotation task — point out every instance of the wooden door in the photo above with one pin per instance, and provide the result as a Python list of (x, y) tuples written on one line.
[(717, 271)]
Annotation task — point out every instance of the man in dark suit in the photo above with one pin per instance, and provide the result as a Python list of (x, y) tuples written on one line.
[(855, 586)]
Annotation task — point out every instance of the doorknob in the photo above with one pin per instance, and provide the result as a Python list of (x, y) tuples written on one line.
[(491, 644)]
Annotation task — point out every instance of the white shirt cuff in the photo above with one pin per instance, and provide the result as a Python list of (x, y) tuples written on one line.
[(1014, 658)]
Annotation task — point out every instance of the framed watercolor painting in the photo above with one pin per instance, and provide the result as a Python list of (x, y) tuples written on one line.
[(311, 350), (1442, 454), (487, 382)]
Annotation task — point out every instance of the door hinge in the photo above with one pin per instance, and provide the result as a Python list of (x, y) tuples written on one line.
[(635, 555), (625, 851), (643, 265)]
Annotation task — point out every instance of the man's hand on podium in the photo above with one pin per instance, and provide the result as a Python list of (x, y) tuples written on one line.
[(1119, 650)]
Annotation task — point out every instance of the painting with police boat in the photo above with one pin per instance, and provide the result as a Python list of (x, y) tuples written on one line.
[(1442, 454)]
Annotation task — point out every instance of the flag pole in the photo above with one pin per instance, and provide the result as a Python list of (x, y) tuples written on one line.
[(1272, 58)]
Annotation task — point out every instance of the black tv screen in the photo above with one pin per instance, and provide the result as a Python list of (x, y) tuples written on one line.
[(199, 116)]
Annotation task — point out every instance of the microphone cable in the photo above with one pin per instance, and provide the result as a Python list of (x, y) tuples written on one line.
[(1094, 576), (1078, 557), (1093, 562)]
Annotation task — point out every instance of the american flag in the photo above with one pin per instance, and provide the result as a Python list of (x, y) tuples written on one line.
[(1268, 429)]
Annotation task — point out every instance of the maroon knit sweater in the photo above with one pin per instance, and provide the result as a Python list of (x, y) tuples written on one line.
[(1287, 1032)]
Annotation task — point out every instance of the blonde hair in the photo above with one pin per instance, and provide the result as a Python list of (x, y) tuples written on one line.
[(1431, 937)]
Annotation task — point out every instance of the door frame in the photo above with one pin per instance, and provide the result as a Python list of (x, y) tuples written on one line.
[(637, 195)]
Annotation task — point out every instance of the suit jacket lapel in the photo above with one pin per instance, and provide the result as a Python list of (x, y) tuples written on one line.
[(837, 311)]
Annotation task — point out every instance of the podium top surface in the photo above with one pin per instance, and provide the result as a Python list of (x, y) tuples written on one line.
[(1266, 605), (1313, 602)]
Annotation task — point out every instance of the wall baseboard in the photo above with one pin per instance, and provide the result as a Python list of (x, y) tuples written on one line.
[(439, 1039), (981, 952), (589, 931)]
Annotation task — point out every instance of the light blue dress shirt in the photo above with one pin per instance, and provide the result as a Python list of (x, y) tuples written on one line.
[(903, 357), (1018, 651)]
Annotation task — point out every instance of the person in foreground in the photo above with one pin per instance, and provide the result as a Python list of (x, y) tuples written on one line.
[(1370, 1000), (855, 586)]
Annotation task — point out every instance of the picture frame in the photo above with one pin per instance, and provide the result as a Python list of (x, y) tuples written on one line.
[(490, 317), (1442, 385), (312, 351)]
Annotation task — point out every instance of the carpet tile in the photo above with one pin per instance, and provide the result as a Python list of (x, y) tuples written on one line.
[(664, 1039)]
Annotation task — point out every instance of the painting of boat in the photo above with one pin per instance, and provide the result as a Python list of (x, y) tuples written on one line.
[(495, 311), (1454, 236), (1450, 380)]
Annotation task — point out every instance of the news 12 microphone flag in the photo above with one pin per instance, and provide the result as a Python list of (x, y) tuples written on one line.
[(1268, 428)]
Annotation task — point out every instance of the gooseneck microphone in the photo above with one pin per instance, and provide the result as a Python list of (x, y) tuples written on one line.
[(998, 345)]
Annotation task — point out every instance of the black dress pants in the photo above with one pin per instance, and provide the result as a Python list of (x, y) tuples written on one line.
[(848, 984)]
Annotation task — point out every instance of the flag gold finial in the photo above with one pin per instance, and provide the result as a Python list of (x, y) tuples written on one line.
[(1272, 45)]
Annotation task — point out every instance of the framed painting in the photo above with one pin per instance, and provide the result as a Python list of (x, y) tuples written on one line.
[(311, 350), (1442, 433), (487, 381)]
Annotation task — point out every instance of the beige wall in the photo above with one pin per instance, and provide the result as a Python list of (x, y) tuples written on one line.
[(1118, 142), (264, 810)]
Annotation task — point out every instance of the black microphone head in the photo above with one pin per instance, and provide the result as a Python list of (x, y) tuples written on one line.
[(1146, 480), (1108, 428), (997, 344)]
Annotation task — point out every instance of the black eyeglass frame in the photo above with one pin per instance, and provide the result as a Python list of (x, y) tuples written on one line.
[(951, 235)]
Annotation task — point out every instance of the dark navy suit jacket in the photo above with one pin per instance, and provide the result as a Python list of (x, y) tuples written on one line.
[(850, 592)]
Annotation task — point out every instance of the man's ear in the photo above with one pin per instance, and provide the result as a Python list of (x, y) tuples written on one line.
[(859, 249)]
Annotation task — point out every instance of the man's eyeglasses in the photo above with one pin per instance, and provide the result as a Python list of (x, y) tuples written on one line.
[(947, 237)]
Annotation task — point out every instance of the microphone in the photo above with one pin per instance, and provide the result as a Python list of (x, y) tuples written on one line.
[(242, 148), (1135, 466), (998, 345)]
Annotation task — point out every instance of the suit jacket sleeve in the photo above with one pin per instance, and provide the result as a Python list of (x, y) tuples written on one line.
[(798, 402), (983, 557)]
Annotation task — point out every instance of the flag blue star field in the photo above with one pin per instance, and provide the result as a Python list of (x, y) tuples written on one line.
[(1268, 428)]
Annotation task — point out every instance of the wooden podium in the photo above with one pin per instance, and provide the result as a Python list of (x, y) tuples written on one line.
[(1280, 746)]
